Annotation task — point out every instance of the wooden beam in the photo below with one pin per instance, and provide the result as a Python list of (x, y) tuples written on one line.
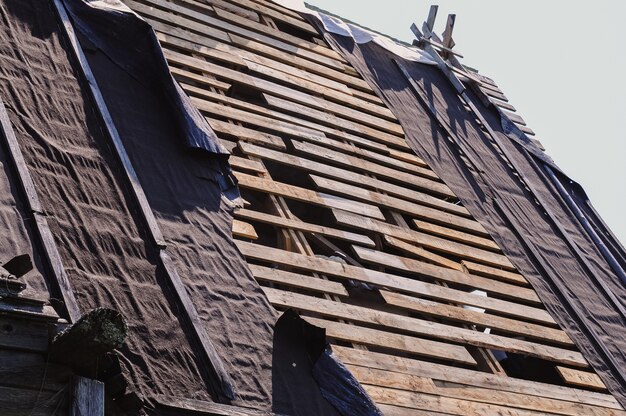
[(306, 195), (395, 342), (471, 317), (356, 178), (305, 227), (434, 243), (446, 275), (399, 283), (475, 378), (580, 378), (422, 328), (87, 398)]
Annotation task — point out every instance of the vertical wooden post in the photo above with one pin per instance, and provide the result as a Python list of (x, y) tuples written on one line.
[(87, 397)]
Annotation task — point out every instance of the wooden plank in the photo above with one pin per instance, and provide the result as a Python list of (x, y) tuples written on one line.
[(471, 317), (50, 249), (182, 75), (580, 378), (182, 20), (455, 235), (297, 280), (256, 30), (396, 204), (354, 162), (265, 118), (296, 22), (472, 377), (310, 98), (395, 342), (420, 327), (447, 405), (494, 273), (305, 195), (230, 7), (246, 164), (351, 177), (288, 43), (198, 45), (305, 227), (87, 397), (438, 273), (221, 383), (399, 381), (335, 73), (425, 240), (23, 334), (486, 257), (245, 230), (246, 134), (31, 371), (386, 280), (422, 253)]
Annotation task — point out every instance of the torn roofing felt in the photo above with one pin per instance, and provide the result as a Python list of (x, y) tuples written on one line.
[(514, 199), (99, 229)]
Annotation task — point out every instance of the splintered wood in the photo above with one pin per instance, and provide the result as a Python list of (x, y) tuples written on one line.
[(345, 224)]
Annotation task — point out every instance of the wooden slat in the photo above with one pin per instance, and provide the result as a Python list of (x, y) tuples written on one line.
[(353, 162), (446, 275), (288, 43), (396, 204), (399, 381), (297, 22), (297, 280), (454, 235), (460, 314), (580, 378), (425, 240), (197, 45), (396, 342), (352, 177), (246, 134), (245, 230), (399, 283), (420, 327), (305, 195), (304, 226), (341, 107), (485, 257), (422, 253), (472, 378), (495, 273)]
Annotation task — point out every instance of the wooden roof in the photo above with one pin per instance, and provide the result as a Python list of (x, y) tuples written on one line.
[(345, 224)]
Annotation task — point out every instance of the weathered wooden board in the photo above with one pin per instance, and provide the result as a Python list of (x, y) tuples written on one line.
[(446, 275), (471, 317), (305, 195), (580, 378), (399, 283), (297, 280), (304, 226), (420, 327), (472, 378), (396, 342)]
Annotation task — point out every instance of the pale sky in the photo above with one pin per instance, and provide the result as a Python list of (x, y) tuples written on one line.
[(562, 64)]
